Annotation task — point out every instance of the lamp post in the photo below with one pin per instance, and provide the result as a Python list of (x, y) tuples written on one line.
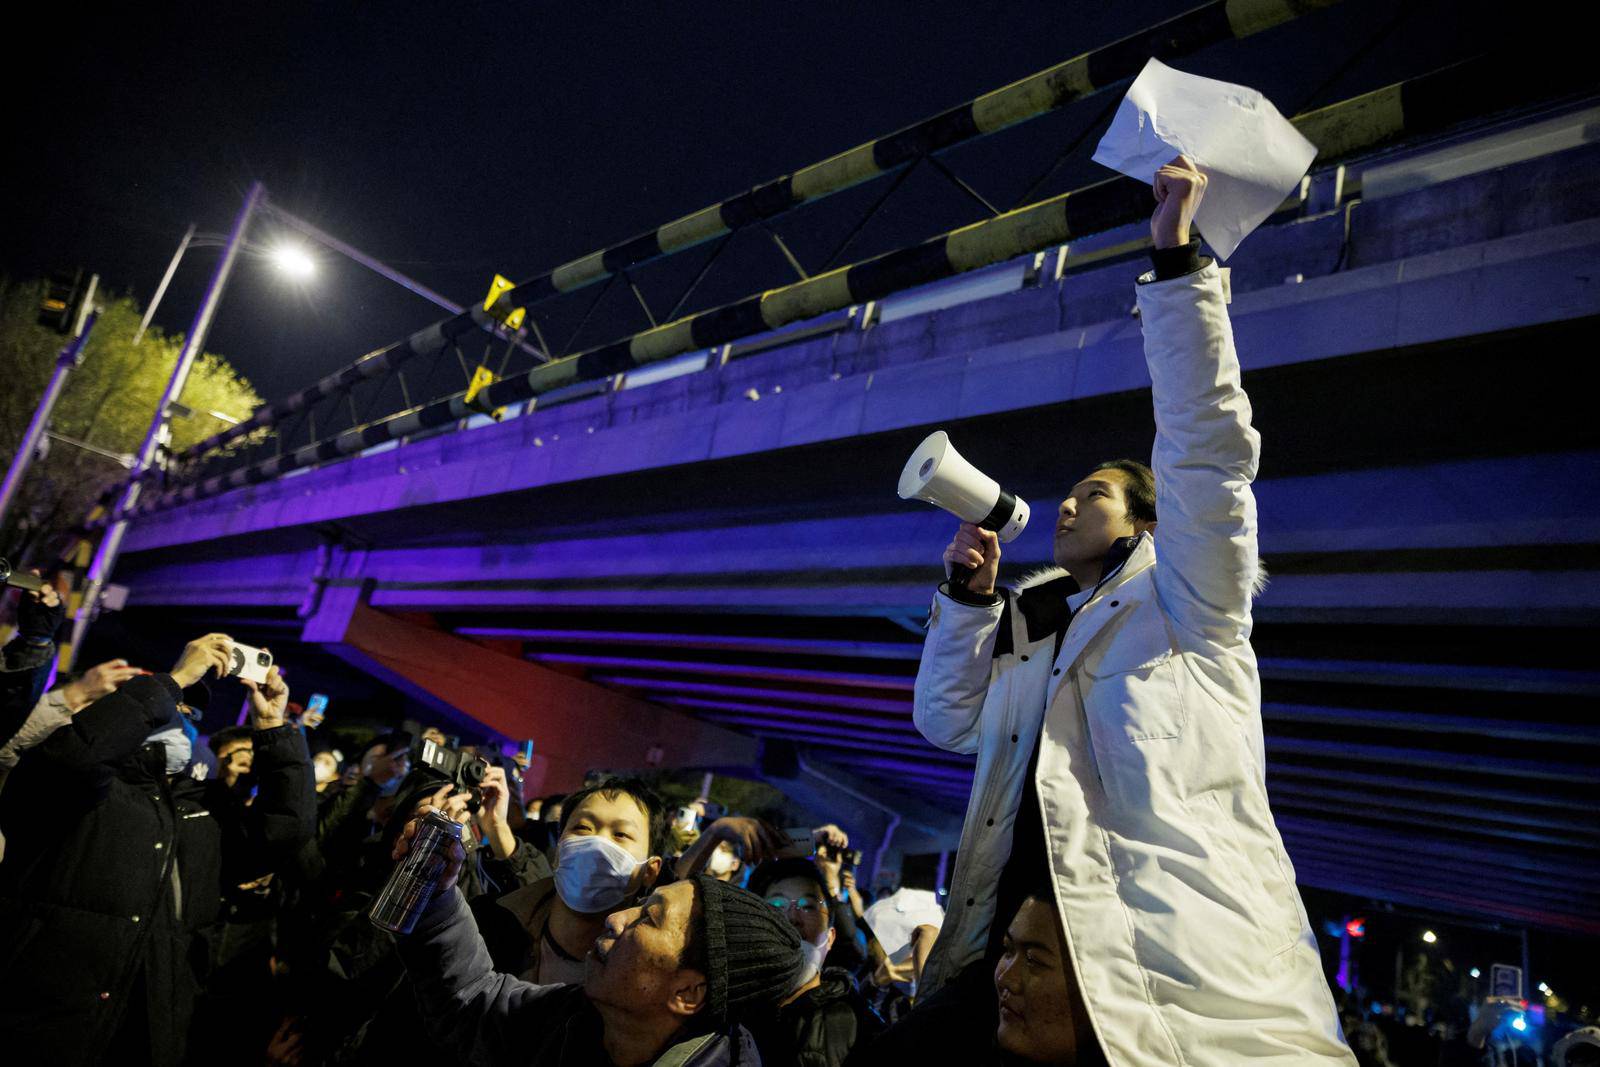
[(105, 556), (69, 358), (293, 260)]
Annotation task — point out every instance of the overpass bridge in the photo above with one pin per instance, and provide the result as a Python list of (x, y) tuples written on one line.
[(702, 562)]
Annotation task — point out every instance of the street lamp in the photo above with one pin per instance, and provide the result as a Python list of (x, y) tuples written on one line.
[(1429, 936), (289, 256), (293, 260)]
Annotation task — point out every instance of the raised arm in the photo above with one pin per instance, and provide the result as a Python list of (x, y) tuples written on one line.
[(957, 654), (1206, 452), (469, 1008), (284, 814)]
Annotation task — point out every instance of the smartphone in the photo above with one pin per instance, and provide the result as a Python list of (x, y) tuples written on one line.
[(1505, 981), (316, 711), (250, 664), (525, 753)]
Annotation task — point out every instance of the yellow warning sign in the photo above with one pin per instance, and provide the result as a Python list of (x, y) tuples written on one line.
[(498, 288), (482, 378)]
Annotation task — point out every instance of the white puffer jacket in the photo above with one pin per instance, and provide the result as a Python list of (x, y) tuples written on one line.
[(1177, 897)]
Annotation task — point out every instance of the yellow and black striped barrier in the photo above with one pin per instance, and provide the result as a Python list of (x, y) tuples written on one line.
[(1038, 94), (1417, 106)]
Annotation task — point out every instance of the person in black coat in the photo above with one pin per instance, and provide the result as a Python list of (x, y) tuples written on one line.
[(822, 1017), (117, 863)]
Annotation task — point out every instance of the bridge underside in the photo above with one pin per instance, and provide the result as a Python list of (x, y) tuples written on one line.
[(1430, 516)]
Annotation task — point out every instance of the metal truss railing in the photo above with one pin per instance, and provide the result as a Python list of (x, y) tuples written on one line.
[(1039, 94), (1412, 108)]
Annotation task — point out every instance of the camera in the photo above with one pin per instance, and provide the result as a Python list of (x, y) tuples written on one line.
[(850, 858), (463, 769), (250, 664)]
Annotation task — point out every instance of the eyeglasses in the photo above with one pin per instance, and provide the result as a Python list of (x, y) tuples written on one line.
[(808, 905)]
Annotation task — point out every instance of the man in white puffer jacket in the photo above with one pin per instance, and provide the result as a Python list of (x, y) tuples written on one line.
[(1115, 711)]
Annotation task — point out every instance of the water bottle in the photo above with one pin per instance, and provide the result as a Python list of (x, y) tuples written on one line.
[(417, 878)]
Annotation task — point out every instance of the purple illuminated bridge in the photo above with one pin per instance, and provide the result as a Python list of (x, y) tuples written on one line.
[(708, 567)]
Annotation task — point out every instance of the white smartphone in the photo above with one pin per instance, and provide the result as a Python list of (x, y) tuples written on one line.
[(251, 664)]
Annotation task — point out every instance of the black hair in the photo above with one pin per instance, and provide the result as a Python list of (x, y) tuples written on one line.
[(773, 871), (611, 788), (1139, 486), (228, 734)]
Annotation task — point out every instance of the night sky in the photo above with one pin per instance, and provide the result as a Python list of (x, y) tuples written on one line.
[(456, 141)]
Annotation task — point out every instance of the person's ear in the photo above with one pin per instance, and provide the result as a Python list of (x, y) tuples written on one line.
[(1140, 526), (832, 934), (689, 992), (650, 872)]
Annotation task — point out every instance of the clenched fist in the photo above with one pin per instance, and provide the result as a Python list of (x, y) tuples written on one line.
[(978, 550), (1178, 188)]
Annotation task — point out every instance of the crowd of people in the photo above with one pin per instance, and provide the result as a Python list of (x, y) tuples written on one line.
[(1121, 894), (172, 896)]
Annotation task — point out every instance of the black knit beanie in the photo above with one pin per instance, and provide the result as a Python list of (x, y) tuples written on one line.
[(752, 951)]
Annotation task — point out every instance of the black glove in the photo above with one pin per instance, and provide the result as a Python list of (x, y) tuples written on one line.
[(36, 623)]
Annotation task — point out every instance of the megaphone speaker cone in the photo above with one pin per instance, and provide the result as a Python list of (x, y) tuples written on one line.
[(939, 474)]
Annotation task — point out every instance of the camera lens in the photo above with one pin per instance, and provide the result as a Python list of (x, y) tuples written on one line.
[(472, 773), (263, 659)]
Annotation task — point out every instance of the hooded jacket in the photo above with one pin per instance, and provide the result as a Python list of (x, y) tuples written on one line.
[(111, 889), (1175, 892)]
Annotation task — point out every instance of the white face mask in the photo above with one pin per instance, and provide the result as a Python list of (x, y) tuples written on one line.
[(593, 873), (179, 750), (812, 956), (722, 862)]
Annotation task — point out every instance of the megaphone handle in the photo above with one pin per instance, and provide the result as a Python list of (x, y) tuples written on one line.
[(960, 575)]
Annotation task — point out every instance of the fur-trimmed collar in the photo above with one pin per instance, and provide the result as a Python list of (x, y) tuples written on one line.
[(1042, 594)]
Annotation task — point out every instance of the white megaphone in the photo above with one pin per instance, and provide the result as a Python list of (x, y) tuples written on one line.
[(939, 474)]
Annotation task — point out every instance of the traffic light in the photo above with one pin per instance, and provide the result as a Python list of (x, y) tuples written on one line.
[(63, 299)]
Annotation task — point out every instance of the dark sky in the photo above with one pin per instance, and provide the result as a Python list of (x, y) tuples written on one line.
[(458, 140)]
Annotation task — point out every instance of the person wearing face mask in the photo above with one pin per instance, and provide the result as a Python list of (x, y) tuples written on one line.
[(119, 860), (325, 769), (607, 857), (822, 1017)]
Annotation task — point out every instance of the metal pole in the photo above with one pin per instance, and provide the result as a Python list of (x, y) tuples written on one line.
[(1527, 971), (327, 240), (105, 557), (166, 279), (68, 359), (382, 269)]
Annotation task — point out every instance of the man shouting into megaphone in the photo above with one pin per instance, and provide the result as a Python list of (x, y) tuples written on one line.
[(1114, 707)]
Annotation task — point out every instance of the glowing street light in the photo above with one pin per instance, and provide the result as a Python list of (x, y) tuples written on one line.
[(1475, 973), (1429, 936), (294, 261)]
